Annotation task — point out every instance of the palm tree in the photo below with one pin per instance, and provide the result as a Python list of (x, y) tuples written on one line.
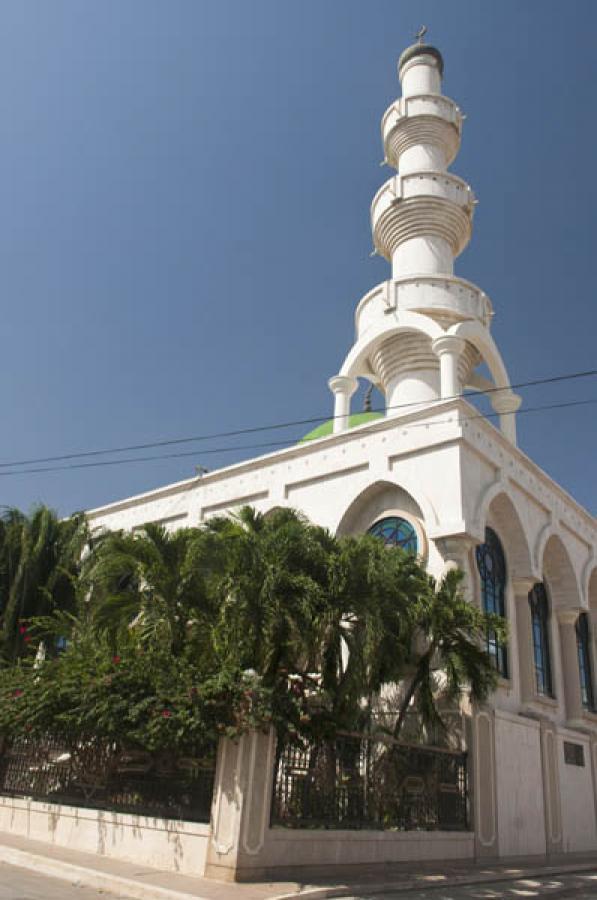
[(366, 631), (39, 562), (153, 581), (271, 589), (448, 655)]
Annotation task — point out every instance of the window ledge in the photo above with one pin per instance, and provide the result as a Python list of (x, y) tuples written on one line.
[(545, 700)]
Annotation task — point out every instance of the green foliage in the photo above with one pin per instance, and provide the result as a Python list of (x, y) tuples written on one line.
[(171, 639), (39, 566)]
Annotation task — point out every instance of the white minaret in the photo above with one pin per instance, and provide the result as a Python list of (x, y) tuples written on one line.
[(421, 335)]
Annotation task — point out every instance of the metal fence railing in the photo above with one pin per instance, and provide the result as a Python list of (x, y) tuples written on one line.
[(363, 782), (100, 775)]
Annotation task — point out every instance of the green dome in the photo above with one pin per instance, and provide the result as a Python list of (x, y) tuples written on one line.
[(327, 428)]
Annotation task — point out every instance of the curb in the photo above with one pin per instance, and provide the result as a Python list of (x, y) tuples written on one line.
[(92, 878), (121, 886), (389, 887)]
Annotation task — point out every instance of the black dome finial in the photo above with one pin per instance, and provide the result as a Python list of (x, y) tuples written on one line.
[(419, 49)]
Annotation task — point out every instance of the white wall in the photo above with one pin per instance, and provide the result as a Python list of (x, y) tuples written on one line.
[(162, 843), (577, 793), (521, 818)]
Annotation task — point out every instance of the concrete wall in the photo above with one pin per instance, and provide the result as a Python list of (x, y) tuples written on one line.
[(163, 843), (290, 848), (576, 789), (520, 810)]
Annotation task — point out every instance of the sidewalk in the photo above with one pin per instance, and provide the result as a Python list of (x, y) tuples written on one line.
[(141, 883)]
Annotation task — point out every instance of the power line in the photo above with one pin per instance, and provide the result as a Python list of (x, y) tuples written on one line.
[(279, 425), (270, 444)]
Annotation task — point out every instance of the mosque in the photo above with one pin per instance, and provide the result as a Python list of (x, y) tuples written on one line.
[(436, 476)]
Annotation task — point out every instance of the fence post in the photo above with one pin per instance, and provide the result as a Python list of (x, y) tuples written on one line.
[(241, 807)]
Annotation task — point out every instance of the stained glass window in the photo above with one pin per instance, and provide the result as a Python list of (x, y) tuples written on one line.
[(396, 532), (491, 564), (585, 668), (539, 604)]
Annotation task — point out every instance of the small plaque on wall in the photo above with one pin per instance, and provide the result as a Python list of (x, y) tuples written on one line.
[(574, 754)]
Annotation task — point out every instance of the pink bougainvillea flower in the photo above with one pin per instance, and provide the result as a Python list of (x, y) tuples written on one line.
[(166, 713), (22, 629), (17, 692)]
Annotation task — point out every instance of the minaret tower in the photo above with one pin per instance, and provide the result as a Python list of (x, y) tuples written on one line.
[(421, 335)]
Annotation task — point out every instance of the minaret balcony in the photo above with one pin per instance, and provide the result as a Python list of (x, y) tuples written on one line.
[(423, 119), (419, 205), (445, 298)]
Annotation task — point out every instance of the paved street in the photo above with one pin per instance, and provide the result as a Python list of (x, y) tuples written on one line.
[(23, 884), (579, 887)]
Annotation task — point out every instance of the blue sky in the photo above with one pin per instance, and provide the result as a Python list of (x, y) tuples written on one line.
[(184, 227)]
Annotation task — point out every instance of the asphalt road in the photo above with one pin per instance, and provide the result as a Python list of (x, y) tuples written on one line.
[(580, 887), (23, 884)]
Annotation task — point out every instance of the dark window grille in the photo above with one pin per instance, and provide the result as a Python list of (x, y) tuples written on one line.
[(99, 775), (585, 668), (366, 783), (396, 532), (541, 648), (491, 564)]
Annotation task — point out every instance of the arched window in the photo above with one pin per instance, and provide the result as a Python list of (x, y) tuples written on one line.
[(396, 532), (491, 564), (539, 604), (585, 668)]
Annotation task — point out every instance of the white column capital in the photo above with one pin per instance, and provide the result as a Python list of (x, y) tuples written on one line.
[(448, 347), (343, 387), (448, 343), (568, 616), (505, 401), (343, 384), (523, 585)]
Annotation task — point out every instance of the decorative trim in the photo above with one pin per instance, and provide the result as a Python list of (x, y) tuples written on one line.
[(483, 839), (250, 799)]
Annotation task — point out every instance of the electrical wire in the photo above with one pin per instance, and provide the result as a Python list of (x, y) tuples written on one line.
[(259, 428), (136, 459)]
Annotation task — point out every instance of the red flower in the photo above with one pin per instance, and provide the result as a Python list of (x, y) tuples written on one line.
[(115, 660), (166, 713), (22, 629), (27, 638), (17, 692)]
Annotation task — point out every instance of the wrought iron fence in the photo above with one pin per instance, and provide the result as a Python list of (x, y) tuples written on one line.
[(100, 775), (363, 782)]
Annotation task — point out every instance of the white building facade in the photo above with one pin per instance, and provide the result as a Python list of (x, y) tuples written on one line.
[(437, 474)]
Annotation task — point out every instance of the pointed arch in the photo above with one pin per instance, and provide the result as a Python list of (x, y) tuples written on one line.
[(559, 573), (591, 591), (379, 498), (589, 581), (498, 509)]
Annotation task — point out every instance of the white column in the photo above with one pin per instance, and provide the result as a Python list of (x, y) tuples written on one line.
[(526, 664), (342, 387), (569, 654), (448, 348), (456, 553), (506, 403)]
